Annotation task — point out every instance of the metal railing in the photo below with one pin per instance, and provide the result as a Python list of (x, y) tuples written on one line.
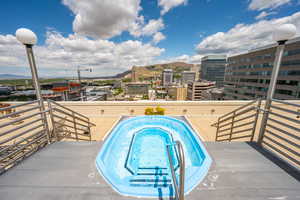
[(238, 124), (69, 124), (279, 128), (282, 132), (23, 131), (179, 192)]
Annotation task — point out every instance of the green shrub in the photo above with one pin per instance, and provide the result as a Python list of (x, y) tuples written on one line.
[(149, 111), (158, 111)]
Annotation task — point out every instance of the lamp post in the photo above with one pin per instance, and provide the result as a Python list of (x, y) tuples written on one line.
[(28, 38), (281, 35)]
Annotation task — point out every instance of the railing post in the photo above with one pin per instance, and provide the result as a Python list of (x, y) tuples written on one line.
[(75, 126), (217, 132), (52, 119), (45, 120), (264, 121), (89, 128), (173, 172), (256, 118), (182, 171), (232, 122)]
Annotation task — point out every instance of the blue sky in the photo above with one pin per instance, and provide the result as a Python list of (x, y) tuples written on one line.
[(113, 35)]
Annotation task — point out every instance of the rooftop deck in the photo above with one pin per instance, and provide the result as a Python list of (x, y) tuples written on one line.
[(66, 170)]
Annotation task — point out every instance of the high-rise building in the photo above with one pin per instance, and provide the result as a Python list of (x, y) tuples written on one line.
[(213, 69), (167, 77), (187, 76), (248, 75), (196, 89)]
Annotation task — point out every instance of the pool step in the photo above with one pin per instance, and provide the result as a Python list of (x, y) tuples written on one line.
[(151, 177), (152, 171), (150, 181)]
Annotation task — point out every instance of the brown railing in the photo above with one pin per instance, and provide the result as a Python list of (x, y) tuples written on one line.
[(68, 124), (239, 124), (23, 131), (282, 131)]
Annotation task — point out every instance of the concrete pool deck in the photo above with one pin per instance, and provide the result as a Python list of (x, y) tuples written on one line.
[(66, 170)]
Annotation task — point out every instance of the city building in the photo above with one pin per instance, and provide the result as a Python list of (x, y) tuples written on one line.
[(4, 90), (248, 75), (137, 88), (68, 91), (134, 74), (213, 69), (187, 76), (167, 77), (196, 89), (177, 93), (215, 94)]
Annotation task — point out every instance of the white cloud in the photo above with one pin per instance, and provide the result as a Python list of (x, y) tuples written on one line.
[(264, 14), (194, 59), (169, 4), (66, 53), (158, 37), (104, 18), (244, 37), (149, 29), (266, 4)]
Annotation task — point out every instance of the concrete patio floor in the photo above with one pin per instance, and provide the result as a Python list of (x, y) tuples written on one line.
[(66, 170)]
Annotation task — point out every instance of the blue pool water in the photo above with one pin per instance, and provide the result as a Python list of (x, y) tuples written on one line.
[(134, 157)]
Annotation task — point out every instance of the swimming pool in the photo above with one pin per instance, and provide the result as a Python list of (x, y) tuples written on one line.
[(134, 161)]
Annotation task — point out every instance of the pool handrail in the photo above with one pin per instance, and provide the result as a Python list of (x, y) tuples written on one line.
[(179, 192)]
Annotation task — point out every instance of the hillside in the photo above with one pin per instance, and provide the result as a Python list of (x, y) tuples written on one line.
[(147, 72), (12, 76)]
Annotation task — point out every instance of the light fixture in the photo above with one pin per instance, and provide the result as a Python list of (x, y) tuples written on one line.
[(26, 36), (281, 35), (284, 32)]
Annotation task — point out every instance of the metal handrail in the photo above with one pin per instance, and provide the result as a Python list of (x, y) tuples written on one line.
[(76, 121), (179, 192), (64, 107), (230, 122), (239, 108)]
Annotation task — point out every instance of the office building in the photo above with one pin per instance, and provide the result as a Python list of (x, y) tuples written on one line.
[(213, 69), (167, 77), (177, 93), (187, 76), (195, 90), (248, 75)]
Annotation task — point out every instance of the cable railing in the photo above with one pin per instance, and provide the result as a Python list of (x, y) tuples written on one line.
[(24, 130), (282, 132), (239, 124), (178, 187), (68, 124)]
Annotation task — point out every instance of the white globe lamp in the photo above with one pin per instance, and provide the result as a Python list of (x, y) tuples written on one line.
[(284, 32), (26, 36)]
